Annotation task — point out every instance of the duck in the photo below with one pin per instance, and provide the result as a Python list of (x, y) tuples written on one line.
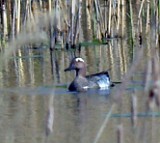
[(83, 82)]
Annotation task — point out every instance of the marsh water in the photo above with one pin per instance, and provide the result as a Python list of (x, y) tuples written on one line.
[(30, 88), (36, 106)]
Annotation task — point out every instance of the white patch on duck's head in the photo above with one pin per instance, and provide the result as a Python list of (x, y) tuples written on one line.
[(79, 60)]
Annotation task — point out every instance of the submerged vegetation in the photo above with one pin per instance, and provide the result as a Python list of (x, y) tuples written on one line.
[(71, 24)]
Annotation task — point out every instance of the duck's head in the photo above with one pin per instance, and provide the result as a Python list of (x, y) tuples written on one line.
[(78, 65)]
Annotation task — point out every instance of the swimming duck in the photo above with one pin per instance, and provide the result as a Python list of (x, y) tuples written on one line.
[(82, 82)]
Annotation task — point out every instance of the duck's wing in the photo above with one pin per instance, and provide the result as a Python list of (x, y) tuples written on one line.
[(98, 74), (100, 80)]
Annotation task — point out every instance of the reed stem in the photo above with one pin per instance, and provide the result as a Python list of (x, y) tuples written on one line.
[(104, 124), (109, 19), (5, 24), (148, 16)]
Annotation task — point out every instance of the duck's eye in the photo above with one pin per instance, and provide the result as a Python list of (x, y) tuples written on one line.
[(79, 60)]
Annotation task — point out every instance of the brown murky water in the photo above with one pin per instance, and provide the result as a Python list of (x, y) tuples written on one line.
[(28, 94)]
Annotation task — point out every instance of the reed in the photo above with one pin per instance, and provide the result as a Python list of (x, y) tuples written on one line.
[(132, 25), (109, 19), (118, 14), (123, 18), (104, 124), (4, 23), (120, 136), (99, 19), (148, 17), (134, 110), (50, 115), (152, 89), (67, 19)]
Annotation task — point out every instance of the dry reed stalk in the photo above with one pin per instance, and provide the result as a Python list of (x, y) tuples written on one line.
[(150, 104), (123, 18), (21, 70), (120, 136), (98, 19), (158, 12), (134, 110), (153, 89), (13, 28), (101, 18), (148, 16), (157, 25), (28, 15), (49, 6), (132, 24), (98, 31), (78, 24), (5, 24), (156, 67), (53, 25), (40, 5), (65, 21), (73, 9), (30, 66), (139, 23), (50, 116), (140, 10), (118, 15), (65, 14), (148, 77), (123, 56), (156, 79), (9, 15), (105, 14), (14, 20), (29, 11), (153, 129), (111, 57), (109, 19), (76, 29), (103, 126), (18, 17)]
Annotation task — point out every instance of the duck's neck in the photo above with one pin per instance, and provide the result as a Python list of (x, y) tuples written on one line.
[(81, 72)]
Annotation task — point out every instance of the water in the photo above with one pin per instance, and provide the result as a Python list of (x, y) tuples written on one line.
[(30, 89), (27, 85)]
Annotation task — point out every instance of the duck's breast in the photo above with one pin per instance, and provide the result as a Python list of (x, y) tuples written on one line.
[(80, 83)]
